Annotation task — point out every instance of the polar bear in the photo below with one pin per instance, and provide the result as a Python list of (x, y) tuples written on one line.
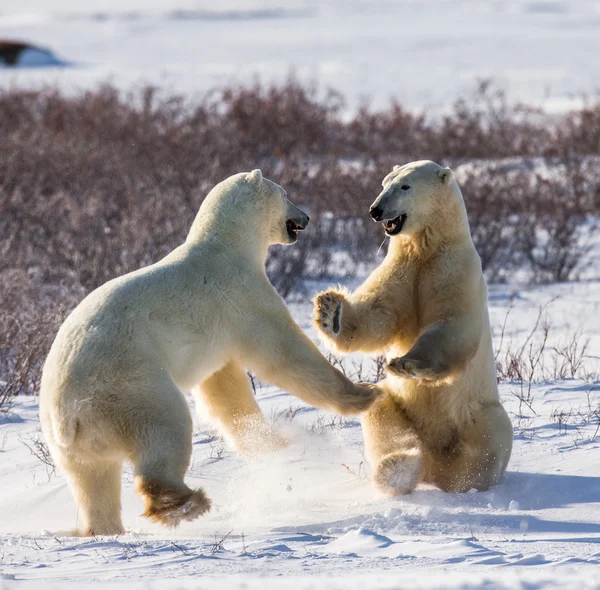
[(441, 420), (112, 385)]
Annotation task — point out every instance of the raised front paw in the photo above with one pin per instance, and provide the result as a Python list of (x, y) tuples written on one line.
[(328, 312), (410, 368)]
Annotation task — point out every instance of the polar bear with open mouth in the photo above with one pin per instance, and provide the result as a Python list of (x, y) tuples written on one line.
[(440, 420), (112, 386)]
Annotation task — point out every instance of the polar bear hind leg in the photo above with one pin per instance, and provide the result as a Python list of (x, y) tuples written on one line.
[(392, 448), (228, 400), (161, 456), (96, 487), (480, 457)]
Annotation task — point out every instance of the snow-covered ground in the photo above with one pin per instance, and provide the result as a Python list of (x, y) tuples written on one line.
[(425, 53), (307, 516)]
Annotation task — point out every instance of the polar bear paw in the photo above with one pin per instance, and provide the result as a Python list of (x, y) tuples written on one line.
[(398, 473), (328, 312), (410, 369), (357, 399), (172, 513), (169, 505)]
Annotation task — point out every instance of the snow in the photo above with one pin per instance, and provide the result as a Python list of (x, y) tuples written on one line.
[(424, 53), (307, 516)]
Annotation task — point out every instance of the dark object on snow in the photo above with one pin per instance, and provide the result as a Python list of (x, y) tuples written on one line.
[(10, 50), (17, 53)]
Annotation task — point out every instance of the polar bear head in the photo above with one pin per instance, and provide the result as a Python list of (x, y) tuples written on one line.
[(248, 204), (414, 196)]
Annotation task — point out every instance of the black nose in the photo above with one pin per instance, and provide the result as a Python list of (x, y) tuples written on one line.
[(376, 213)]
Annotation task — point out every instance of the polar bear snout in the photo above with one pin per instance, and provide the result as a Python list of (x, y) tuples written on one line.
[(296, 221), (386, 210), (376, 213)]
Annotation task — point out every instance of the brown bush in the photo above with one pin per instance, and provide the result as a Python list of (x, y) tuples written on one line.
[(98, 184)]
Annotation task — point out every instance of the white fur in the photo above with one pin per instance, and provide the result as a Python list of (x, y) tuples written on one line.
[(426, 307), (113, 381)]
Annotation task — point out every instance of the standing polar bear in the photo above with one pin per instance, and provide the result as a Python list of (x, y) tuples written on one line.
[(112, 383), (440, 420)]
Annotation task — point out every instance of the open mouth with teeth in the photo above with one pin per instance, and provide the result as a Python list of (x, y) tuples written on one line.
[(394, 226), (293, 229)]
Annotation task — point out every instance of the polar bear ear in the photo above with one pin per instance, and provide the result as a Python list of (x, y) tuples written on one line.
[(446, 175), (255, 177), (391, 174)]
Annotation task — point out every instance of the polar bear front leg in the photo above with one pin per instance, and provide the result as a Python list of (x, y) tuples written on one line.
[(279, 352), (363, 322), (442, 350)]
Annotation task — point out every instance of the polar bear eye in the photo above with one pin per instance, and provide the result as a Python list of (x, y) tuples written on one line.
[(405, 187)]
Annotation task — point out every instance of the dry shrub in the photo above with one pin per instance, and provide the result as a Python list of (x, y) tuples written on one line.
[(31, 315), (98, 184), (39, 449), (539, 216), (494, 208), (487, 126), (563, 209)]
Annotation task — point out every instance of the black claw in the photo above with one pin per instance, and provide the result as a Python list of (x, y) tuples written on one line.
[(336, 318), (327, 298), (325, 324)]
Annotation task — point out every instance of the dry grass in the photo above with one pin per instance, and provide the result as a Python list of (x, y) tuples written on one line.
[(582, 422), (39, 449)]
